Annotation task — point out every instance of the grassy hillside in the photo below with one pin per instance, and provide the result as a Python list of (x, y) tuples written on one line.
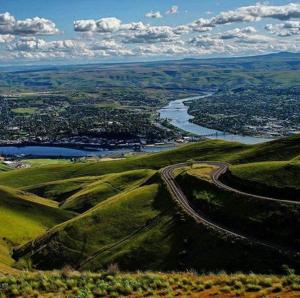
[(59, 190), (143, 229), (105, 187), (277, 174), (283, 149), (108, 222), (23, 217), (280, 179), (4, 167)]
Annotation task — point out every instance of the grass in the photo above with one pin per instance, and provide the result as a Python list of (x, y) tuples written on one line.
[(38, 162), (24, 110), (105, 187), (4, 167), (142, 229), (279, 174), (70, 283), (23, 217), (60, 190), (106, 223)]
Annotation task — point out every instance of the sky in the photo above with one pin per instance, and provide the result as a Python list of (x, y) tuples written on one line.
[(77, 31)]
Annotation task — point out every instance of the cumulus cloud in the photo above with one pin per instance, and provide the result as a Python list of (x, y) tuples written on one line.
[(152, 34), (237, 33), (153, 15), (109, 37), (250, 14), (30, 26), (173, 10), (288, 28), (6, 38), (104, 25)]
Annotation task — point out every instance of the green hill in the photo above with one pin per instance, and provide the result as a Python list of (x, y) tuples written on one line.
[(59, 190), (23, 217), (142, 229), (105, 187), (278, 174), (280, 179)]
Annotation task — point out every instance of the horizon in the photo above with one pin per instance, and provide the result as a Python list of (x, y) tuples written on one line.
[(112, 32), (44, 65)]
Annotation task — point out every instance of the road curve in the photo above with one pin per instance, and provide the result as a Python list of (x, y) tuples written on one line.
[(181, 199)]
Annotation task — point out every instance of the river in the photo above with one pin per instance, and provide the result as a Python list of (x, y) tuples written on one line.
[(177, 114), (56, 151)]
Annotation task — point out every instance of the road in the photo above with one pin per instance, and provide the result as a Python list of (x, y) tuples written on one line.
[(181, 199)]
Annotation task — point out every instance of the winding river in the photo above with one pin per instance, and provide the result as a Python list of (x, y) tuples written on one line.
[(177, 114)]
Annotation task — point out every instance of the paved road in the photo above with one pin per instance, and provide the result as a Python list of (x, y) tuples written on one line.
[(178, 195)]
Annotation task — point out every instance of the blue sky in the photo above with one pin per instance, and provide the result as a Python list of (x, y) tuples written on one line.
[(19, 45)]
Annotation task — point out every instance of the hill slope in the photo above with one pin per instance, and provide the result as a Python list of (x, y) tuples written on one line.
[(280, 179), (23, 217), (105, 187)]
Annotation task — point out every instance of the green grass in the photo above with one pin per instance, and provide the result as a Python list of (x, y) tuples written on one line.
[(106, 223), (143, 229), (60, 190), (105, 187), (4, 167), (23, 217), (37, 162), (278, 174), (25, 110)]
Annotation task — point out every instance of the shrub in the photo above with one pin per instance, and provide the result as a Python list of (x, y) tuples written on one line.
[(295, 287), (253, 288), (208, 284), (277, 288), (266, 282), (225, 289)]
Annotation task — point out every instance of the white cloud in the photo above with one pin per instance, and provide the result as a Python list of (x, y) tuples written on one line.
[(153, 15), (173, 10), (238, 33), (6, 38), (34, 26), (104, 25), (251, 14), (152, 34), (288, 28)]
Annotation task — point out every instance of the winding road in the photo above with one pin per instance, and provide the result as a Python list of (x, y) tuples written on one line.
[(177, 194)]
